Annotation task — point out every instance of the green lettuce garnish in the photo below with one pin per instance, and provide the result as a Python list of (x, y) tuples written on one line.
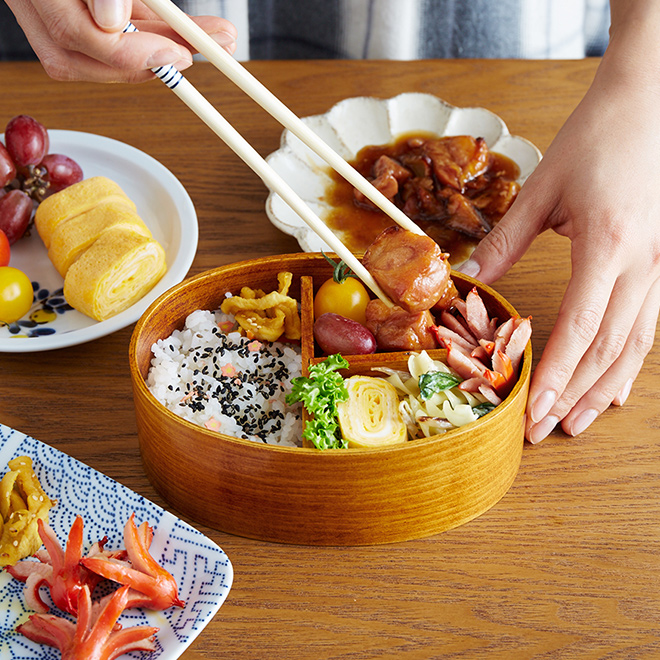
[(320, 394)]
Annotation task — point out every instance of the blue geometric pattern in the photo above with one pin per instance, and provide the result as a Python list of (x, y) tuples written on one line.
[(202, 570)]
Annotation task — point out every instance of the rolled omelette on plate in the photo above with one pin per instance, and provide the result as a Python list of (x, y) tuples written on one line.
[(100, 245), (73, 237), (117, 270), (74, 200)]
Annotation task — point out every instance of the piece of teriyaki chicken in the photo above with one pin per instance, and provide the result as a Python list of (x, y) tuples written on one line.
[(414, 272)]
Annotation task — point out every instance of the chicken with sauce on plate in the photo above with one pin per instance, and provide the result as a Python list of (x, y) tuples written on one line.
[(455, 188)]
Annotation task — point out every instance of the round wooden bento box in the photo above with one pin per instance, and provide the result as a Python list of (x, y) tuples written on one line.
[(306, 496)]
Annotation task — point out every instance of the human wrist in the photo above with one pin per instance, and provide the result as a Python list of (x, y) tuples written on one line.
[(633, 55)]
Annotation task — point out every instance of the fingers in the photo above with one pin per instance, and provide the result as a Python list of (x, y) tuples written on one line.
[(578, 322), (221, 31), (614, 385), (605, 372), (75, 42), (513, 234), (76, 31), (110, 15), (72, 47)]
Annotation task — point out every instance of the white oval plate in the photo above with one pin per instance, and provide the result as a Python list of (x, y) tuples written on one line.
[(202, 570), (357, 122), (163, 204)]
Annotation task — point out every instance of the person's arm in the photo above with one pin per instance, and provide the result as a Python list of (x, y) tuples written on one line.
[(79, 41), (598, 185)]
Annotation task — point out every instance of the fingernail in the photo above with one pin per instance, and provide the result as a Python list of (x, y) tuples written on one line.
[(583, 421), (623, 394), (470, 268), (223, 38), (541, 430), (542, 405), (168, 56), (109, 14), (182, 64)]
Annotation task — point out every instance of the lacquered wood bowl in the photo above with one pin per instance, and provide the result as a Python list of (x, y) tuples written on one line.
[(303, 495)]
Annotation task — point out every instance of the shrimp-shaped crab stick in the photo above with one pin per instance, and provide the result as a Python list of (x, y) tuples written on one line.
[(92, 637), (151, 585)]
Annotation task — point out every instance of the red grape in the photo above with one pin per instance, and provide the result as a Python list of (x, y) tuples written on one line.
[(26, 141), (15, 212), (337, 334), (62, 171), (7, 167)]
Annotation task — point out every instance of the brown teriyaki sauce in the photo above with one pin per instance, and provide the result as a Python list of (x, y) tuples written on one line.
[(358, 226)]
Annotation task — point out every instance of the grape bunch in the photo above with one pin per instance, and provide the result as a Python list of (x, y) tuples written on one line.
[(29, 173)]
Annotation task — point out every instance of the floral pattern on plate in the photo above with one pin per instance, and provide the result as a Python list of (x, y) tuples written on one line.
[(202, 570), (46, 307)]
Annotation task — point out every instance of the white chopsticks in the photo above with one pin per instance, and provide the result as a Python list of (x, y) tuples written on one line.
[(181, 23), (175, 80)]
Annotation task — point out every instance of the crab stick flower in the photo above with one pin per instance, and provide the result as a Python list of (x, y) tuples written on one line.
[(151, 585), (59, 569), (95, 635), (212, 424), (228, 370)]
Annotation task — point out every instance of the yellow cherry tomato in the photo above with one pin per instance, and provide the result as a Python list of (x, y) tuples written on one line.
[(16, 294), (348, 298)]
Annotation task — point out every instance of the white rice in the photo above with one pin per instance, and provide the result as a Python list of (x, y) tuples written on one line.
[(227, 382)]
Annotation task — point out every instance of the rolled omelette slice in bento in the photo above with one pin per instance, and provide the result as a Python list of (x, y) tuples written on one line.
[(370, 416), (73, 201), (118, 269), (75, 235)]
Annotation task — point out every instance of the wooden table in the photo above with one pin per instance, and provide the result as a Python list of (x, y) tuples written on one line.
[(567, 565)]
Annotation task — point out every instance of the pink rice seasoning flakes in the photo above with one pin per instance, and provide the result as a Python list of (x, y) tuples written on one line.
[(227, 382)]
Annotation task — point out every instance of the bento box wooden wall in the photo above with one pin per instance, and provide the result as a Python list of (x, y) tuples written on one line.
[(302, 495)]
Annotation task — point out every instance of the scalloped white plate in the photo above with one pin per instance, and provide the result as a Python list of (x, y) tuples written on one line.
[(357, 122), (202, 570), (163, 204)]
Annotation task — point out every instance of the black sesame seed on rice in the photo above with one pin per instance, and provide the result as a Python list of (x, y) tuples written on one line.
[(231, 378)]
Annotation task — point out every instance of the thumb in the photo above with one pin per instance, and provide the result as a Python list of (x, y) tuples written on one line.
[(110, 15), (508, 241)]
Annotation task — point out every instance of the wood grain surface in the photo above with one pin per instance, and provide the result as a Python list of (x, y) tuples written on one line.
[(565, 566)]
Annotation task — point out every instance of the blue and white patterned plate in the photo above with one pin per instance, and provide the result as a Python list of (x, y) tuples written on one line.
[(202, 570)]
